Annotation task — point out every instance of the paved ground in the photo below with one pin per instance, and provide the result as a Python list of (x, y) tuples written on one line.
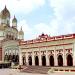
[(17, 72), (14, 72)]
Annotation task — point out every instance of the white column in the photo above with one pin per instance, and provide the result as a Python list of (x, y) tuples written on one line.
[(55, 58), (47, 59), (27, 63), (33, 62), (64, 58), (20, 59), (73, 54), (40, 60)]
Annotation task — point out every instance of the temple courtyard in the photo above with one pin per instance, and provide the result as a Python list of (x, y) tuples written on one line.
[(17, 72)]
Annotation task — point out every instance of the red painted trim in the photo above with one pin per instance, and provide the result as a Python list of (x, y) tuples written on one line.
[(65, 70), (48, 39)]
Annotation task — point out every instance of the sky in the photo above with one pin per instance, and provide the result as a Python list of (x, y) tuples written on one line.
[(52, 17)]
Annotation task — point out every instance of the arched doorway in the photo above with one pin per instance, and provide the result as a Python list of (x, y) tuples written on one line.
[(60, 60), (36, 61), (43, 61), (23, 60), (30, 60), (10, 57), (51, 60), (17, 58), (6, 57), (13, 58), (69, 60)]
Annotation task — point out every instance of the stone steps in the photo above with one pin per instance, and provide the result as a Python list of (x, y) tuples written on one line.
[(36, 69)]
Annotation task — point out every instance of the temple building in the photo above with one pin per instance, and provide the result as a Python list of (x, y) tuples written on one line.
[(48, 51), (9, 38), (42, 51)]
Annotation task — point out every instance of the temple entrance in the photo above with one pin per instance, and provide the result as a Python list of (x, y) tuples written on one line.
[(24, 61), (43, 61), (36, 61), (30, 60), (51, 60), (69, 60), (60, 60)]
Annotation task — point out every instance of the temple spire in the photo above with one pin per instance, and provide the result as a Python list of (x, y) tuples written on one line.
[(21, 28), (14, 16)]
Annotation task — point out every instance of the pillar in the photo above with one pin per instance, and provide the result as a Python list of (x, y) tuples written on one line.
[(33, 62), (64, 58), (40, 59), (55, 58), (47, 59), (27, 63), (20, 59)]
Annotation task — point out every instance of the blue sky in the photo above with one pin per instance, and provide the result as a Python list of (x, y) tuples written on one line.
[(52, 17)]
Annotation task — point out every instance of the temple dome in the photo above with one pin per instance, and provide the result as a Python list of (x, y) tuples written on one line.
[(5, 13), (14, 19), (21, 32)]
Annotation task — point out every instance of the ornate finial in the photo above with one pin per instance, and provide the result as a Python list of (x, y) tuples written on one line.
[(5, 6), (14, 16)]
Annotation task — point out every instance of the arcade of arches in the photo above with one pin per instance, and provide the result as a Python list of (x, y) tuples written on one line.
[(48, 51), (48, 60), (12, 58)]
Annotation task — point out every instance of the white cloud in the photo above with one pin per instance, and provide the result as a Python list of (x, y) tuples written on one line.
[(62, 22), (42, 28), (21, 6), (26, 28), (64, 16)]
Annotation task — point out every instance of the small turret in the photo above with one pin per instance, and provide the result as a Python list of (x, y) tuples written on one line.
[(14, 22), (21, 34)]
